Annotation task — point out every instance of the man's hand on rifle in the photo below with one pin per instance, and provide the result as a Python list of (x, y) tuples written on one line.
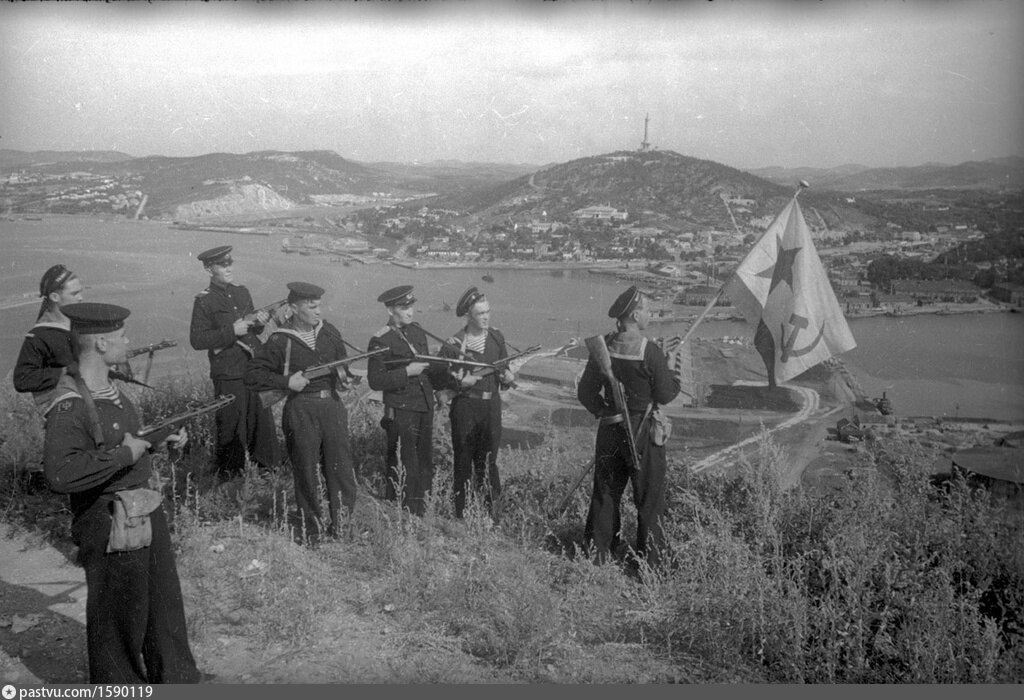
[(138, 446), (178, 440), (464, 378), (282, 314), (507, 378), (241, 327), (297, 382), (345, 380), (414, 369)]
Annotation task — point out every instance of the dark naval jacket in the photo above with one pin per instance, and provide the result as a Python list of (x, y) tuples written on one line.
[(494, 350), (45, 352), (267, 370), (214, 313), (399, 390), (74, 463), (641, 367)]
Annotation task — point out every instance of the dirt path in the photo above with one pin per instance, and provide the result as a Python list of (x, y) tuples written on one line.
[(42, 612)]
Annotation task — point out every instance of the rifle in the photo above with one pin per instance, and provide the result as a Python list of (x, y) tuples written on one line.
[(506, 361), (579, 480), (124, 370), (599, 352), (159, 431), (437, 360), (124, 377), (269, 308), (444, 343), (269, 397), (251, 318), (151, 348)]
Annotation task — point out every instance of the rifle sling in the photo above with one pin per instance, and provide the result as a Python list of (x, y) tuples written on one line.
[(90, 408)]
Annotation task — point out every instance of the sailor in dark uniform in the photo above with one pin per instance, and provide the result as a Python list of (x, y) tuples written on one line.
[(135, 619), (315, 421), (648, 382), (219, 326), (47, 349), (407, 387), (475, 411)]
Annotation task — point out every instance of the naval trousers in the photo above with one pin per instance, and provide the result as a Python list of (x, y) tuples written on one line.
[(134, 614), (410, 442), (612, 472), (243, 426), (316, 434), (476, 436)]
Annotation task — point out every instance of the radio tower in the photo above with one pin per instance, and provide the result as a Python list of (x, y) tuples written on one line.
[(645, 144)]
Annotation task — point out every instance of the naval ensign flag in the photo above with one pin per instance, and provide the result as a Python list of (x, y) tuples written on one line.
[(782, 287)]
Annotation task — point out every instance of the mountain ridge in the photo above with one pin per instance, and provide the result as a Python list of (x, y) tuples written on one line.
[(993, 173), (660, 188)]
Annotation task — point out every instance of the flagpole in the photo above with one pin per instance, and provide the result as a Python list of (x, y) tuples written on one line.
[(721, 290)]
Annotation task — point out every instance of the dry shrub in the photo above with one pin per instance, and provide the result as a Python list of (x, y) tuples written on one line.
[(888, 579)]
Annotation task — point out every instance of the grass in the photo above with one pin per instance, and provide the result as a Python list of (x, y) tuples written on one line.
[(887, 579)]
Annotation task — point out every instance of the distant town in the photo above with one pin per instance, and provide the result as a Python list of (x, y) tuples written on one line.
[(889, 267)]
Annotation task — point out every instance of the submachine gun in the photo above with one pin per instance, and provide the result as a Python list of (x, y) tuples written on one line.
[(124, 371), (250, 341), (463, 360), (506, 362), (269, 397), (156, 433)]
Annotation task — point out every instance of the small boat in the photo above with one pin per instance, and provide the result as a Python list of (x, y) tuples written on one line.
[(487, 278), (884, 405)]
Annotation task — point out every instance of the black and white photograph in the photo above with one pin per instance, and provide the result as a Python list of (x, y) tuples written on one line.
[(565, 342)]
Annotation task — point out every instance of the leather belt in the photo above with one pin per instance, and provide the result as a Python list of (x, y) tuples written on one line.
[(617, 418), (322, 394), (473, 394)]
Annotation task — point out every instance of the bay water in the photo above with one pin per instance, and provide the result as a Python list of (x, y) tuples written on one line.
[(968, 365)]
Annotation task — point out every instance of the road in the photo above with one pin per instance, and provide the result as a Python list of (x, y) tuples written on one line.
[(799, 453)]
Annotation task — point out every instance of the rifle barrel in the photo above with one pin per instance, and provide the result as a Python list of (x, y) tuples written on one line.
[(159, 431), (343, 361), (434, 359), (135, 352)]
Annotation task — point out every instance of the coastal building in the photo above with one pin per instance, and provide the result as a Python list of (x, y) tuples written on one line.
[(1009, 293), (894, 304), (932, 291), (697, 295), (600, 213)]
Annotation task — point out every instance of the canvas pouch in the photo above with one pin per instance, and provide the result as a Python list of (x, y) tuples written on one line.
[(130, 528), (661, 428)]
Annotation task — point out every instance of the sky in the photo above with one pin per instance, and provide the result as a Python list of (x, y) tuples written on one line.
[(745, 83)]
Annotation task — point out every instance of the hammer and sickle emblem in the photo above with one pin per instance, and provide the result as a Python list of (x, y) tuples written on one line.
[(798, 323)]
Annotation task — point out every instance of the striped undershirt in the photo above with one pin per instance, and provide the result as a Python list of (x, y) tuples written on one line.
[(108, 394), (476, 343), (309, 337)]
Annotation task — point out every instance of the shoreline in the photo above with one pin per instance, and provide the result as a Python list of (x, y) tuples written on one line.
[(517, 265), (621, 269)]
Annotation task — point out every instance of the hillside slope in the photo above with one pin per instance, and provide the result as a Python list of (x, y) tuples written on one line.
[(660, 187)]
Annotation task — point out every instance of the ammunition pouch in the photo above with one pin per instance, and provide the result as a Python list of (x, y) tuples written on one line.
[(661, 428), (388, 418), (130, 527)]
